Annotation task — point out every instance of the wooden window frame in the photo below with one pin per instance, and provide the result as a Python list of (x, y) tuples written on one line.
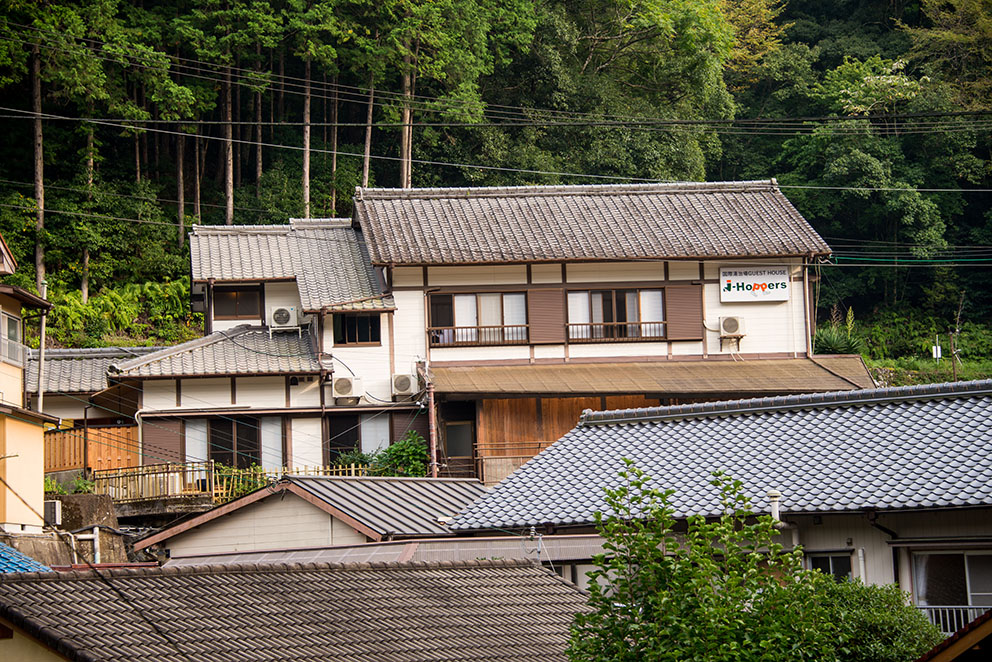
[(342, 316), (496, 335), (257, 289), (616, 324), (251, 421)]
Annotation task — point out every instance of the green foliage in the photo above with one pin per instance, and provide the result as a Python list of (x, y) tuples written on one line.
[(726, 590), (82, 486), (238, 482), (53, 486), (832, 338), (406, 457), (356, 457)]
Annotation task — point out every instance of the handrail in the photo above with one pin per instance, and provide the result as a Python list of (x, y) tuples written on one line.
[(951, 618), (13, 352), (616, 331), (477, 336)]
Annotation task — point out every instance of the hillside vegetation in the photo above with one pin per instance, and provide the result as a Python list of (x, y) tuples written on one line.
[(157, 114)]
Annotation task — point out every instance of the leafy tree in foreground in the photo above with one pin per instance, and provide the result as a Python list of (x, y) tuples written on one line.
[(727, 591)]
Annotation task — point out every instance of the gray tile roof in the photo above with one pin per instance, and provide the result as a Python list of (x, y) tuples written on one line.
[(467, 548), (243, 350), (328, 259), (78, 370), (898, 448), (479, 610), (561, 223)]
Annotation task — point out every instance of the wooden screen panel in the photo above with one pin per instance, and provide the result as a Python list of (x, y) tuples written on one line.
[(162, 441), (416, 421), (684, 312), (559, 415), (546, 316), (113, 447), (508, 427)]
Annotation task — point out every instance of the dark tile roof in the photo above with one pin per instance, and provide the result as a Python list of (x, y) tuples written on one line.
[(380, 507), (12, 560), (328, 259), (479, 610), (898, 448), (78, 370), (244, 349), (556, 548), (561, 223)]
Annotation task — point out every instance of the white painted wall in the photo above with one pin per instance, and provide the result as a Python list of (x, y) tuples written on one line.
[(306, 442), (226, 325), (159, 394), (371, 363), (306, 393), (619, 349), (68, 407), (410, 329), (509, 274), (201, 392), (281, 294), (683, 270), (545, 273), (276, 522), (408, 277), (598, 272), (496, 353), (262, 392), (549, 351)]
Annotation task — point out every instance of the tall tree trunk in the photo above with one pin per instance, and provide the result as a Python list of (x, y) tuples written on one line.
[(272, 106), (180, 192), (228, 153), (84, 280), (137, 155), (155, 143), (196, 177), (334, 150), (237, 132), (282, 85), (39, 167), (306, 138), (405, 119), (368, 133), (144, 138), (258, 125)]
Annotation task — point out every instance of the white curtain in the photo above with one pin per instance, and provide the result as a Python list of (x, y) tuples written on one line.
[(271, 438), (491, 315), (630, 304), (375, 432), (515, 314), (196, 440), (578, 314), (652, 310), (465, 315)]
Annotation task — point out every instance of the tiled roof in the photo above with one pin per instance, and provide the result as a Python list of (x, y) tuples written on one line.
[(78, 370), (899, 448), (561, 223), (380, 507), (328, 259), (243, 350), (478, 610), (464, 548), (11, 560)]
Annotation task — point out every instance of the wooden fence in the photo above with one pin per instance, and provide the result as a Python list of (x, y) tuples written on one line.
[(199, 479), (96, 448)]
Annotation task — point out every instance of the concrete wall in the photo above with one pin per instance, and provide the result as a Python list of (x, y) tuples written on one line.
[(280, 521)]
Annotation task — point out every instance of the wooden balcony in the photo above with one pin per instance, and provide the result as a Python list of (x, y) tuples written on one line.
[(199, 480), (94, 448)]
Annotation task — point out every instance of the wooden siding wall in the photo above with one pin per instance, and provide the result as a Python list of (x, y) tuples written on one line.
[(113, 447), (524, 426)]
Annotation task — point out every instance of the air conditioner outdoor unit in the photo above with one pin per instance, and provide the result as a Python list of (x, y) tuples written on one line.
[(53, 513), (731, 327), (347, 387), (283, 317), (405, 384)]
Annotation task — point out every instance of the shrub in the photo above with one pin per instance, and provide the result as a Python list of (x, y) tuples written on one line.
[(406, 457)]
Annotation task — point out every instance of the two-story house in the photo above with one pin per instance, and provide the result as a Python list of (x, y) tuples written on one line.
[(527, 305), (287, 308), (21, 430)]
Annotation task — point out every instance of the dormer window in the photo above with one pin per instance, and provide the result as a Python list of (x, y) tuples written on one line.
[(238, 303)]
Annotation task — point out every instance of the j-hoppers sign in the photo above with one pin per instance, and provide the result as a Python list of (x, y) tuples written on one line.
[(754, 283)]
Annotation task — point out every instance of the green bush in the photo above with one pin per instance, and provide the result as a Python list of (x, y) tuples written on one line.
[(82, 486), (52, 486), (406, 457)]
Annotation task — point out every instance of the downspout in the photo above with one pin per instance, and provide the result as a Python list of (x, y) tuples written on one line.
[(431, 420), (86, 441), (208, 321), (774, 499)]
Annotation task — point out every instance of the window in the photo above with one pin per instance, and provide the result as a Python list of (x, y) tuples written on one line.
[(234, 442), (953, 578), (838, 565), (11, 349), (615, 315), (357, 330), (237, 303), (491, 318), (344, 436)]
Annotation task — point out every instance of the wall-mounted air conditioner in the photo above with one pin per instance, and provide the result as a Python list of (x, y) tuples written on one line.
[(347, 387), (283, 317), (731, 327), (53, 513), (405, 384)]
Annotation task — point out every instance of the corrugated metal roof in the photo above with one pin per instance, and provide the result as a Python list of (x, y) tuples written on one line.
[(241, 350), (395, 506), (753, 377), (549, 548), (899, 448), (328, 259), (478, 610), (562, 223), (78, 370)]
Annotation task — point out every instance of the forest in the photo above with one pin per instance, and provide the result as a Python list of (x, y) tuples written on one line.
[(127, 121)]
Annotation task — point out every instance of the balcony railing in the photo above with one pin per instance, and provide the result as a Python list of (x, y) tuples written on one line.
[(477, 336), (615, 331), (952, 618), (13, 352), (199, 479)]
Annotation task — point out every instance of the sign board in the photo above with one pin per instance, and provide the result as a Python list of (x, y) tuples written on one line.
[(746, 284)]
